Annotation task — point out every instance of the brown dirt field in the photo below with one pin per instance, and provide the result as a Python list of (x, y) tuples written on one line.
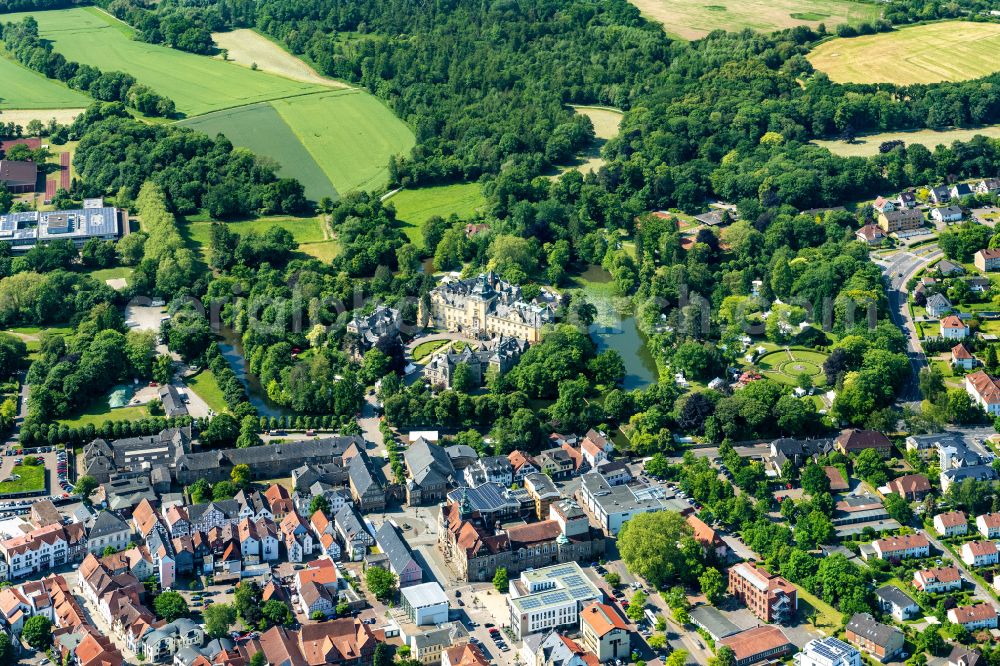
[(24, 116), (246, 47)]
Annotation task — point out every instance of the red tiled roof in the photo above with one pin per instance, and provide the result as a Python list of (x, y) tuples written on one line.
[(911, 483), (952, 518), (985, 386), (951, 321), (756, 641), (960, 353)]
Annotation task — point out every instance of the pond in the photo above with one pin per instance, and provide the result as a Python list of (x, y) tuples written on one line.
[(232, 350), (616, 328)]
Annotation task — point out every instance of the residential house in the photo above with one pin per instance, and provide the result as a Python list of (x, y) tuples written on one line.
[(604, 632), (595, 448), (883, 205), (940, 194), (977, 472), (366, 491), (173, 403), (953, 328), (870, 234), (947, 214), (769, 597), (707, 538), (960, 190), (979, 553), (937, 579), (430, 470), (163, 642), (41, 549), (401, 561), (988, 525), (937, 305), (489, 469), (901, 547), (895, 221), (988, 186), (855, 441), (522, 465), (893, 601), (985, 390), (556, 463), (961, 357), (108, 530), (987, 259), (978, 284), (963, 656), (543, 492), (882, 641), (912, 487), (798, 451), (316, 588), (946, 268), (952, 523), (204, 517), (464, 655), (907, 200), (975, 617), (297, 538), (352, 534)]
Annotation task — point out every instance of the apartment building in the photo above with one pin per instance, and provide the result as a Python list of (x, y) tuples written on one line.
[(769, 597)]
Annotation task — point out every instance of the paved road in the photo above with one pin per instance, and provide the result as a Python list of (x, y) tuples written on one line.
[(980, 591), (899, 270)]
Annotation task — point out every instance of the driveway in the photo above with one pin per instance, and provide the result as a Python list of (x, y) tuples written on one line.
[(899, 270)]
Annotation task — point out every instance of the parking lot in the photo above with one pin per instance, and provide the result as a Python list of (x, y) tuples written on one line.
[(57, 475)]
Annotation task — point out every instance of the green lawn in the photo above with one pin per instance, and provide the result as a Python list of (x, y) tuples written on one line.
[(115, 273), (867, 145), (415, 207), (350, 134), (260, 128), (32, 479), (207, 388), (197, 84), (99, 412), (303, 230), (826, 616), (778, 366), (62, 329), (425, 349), (930, 53), (23, 88)]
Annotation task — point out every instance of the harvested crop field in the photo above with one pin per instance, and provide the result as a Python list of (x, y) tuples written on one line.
[(688, 19), (248, 47), (945, 51), (866, 146), (25, 116)]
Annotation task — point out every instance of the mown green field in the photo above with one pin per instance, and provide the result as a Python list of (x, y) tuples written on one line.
[(945, 51), (307, 232), (21, 88), (332, 141), (259, 128), (197, 84), (350, 134), (32, 479), (415, 207)]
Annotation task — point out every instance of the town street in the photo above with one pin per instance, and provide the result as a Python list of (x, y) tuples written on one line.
[(981, 592)]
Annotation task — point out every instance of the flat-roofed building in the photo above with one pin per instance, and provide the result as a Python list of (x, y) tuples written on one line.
[(26, 229), (425, 604), (549, 597), (18, 177), (828, 651)]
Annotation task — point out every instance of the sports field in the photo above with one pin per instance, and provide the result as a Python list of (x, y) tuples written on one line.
[(248, 48), (866, 146), (945, 51), (415, 207), (786, 366), (21, 88), (690, 19)]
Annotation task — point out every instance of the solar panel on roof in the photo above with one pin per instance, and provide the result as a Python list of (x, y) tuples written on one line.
[(530, 603), (581, 592), (573, 580), (556, 597)]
